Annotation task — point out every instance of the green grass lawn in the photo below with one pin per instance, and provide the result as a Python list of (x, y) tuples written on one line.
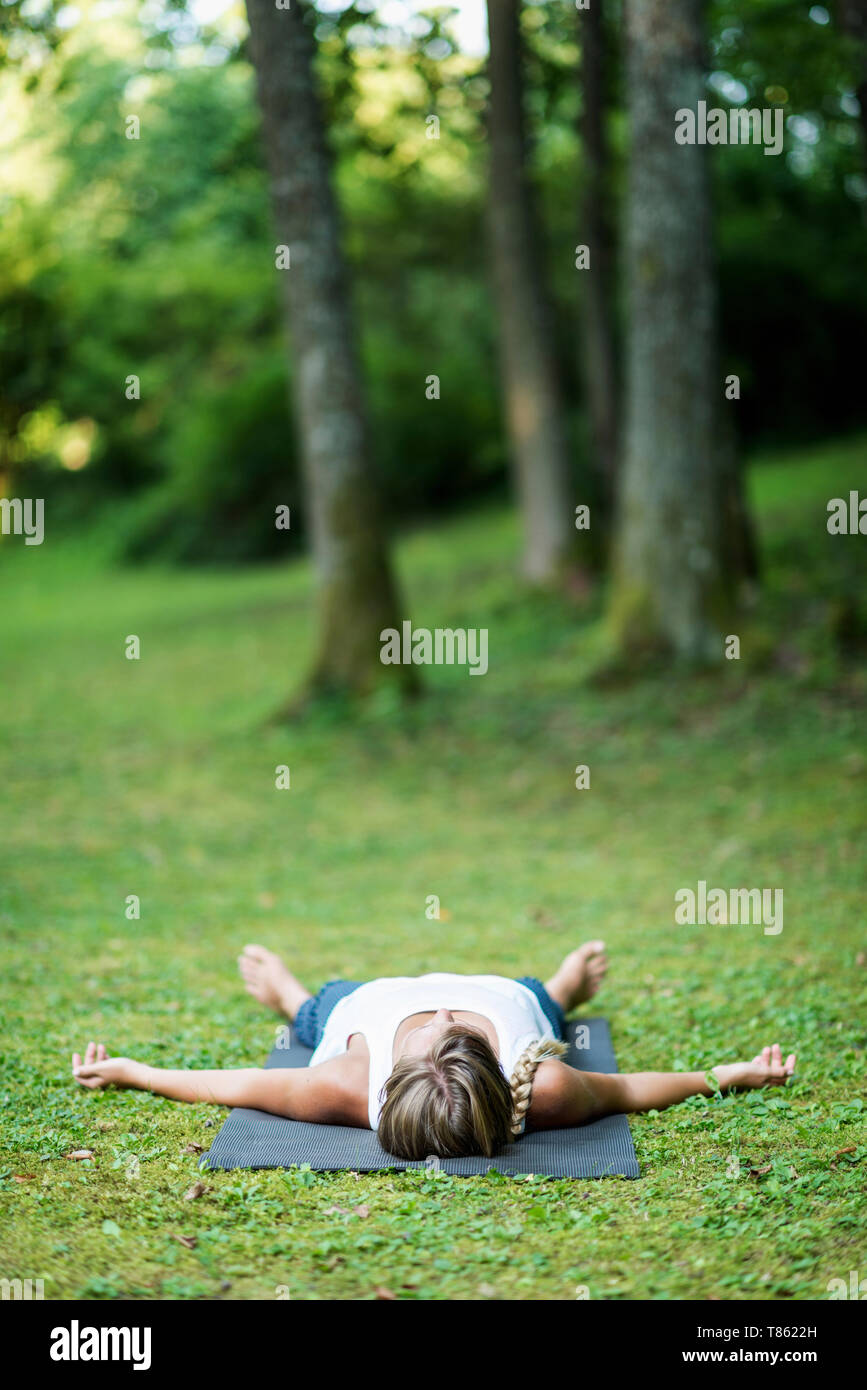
[(156, 778)]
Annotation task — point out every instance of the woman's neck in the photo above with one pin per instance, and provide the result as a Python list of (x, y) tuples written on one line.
[(462, 1016)]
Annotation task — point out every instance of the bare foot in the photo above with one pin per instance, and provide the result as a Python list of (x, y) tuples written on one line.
[(267, 979), (580, 975)]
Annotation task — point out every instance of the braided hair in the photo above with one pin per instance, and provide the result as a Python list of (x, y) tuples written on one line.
[(521, 1083)]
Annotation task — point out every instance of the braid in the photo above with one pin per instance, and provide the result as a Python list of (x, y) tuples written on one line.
[(524, 1073)]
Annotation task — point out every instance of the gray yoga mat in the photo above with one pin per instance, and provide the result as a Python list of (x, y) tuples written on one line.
[(254, 1139)]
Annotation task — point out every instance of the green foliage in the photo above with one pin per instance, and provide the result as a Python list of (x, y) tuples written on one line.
[(155, 257), (236, 465)]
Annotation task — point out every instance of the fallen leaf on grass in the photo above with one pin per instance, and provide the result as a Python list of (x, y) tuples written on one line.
[(193, 1148), (336, 1211), (188, 1242), (79, 1153), (385, 1294), (850, 1149), (23, 1177), (361, 1211), (760, 1172), (193, 1192)]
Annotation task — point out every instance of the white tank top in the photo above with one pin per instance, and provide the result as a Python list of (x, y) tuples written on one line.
[(377, 1009)]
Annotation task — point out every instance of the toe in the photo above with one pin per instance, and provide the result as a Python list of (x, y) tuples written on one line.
[(592, 948)]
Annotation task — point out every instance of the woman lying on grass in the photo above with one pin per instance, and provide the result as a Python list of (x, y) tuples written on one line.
[(431, 1079)]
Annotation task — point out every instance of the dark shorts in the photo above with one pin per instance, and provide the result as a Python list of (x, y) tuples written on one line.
[(313, 1014)]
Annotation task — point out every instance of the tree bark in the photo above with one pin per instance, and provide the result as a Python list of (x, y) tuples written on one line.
[(677, 545), (596, 231), (356, 591), (531, 390), (853, 21)]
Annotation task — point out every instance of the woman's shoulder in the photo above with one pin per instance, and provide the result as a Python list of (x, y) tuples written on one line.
[(553, 1090), (341, 1087)]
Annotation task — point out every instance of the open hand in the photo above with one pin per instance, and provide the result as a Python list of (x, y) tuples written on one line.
[(98, 1069), (766, 1069)]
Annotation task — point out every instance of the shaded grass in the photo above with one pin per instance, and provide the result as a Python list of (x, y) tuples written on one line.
[(157, 778)]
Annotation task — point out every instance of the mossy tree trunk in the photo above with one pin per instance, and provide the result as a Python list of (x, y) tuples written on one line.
[(531, 389), (598, 338), (678, 540), (356, 590)]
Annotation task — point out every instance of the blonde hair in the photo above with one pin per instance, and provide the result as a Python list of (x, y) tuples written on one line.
[(524, 1075), (455, 1100)]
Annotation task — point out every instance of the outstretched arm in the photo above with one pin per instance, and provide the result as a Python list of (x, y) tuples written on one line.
[(328, 1094), (564, 1096)]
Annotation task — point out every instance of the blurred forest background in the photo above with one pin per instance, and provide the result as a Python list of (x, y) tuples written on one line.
[(156, 256)]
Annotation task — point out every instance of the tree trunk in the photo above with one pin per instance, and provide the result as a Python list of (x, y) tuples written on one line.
[(853, 21), (675, 550), (596, 231), (534, 407), (356, 591)]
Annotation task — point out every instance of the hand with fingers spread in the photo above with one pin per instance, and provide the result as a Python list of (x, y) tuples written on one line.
[(766, 1069), (98, 1069)]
